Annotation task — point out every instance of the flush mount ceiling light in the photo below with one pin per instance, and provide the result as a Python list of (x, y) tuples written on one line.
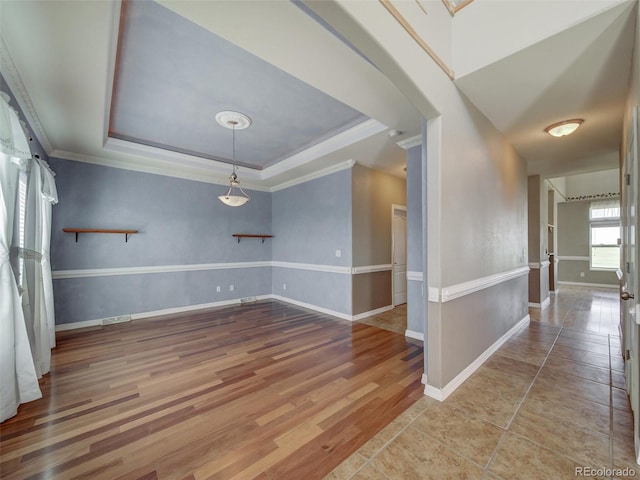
[(235, 196), (562, 129)]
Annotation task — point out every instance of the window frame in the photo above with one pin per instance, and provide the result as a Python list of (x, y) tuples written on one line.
[(601, 222)]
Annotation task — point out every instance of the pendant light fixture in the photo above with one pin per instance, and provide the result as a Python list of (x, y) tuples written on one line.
[(235, 196)]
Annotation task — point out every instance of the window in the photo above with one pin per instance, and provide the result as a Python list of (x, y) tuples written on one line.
[(604, 235), (22, 220)]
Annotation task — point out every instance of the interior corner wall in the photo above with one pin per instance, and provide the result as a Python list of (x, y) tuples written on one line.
[(573, 246), (415, 291), (312, 224), (373, 194)]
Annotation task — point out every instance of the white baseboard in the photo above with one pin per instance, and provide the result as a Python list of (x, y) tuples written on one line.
[(154, 313), (582, 284), (377, 311), (442, 393), (203, 306), (344, 316), (72, 326), (413, 334), (545, 303), (310, 306)]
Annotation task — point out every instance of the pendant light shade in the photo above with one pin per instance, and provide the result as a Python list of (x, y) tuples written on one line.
[(235, 196)]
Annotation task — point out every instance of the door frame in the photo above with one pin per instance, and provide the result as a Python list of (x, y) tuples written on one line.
[(396, 208), (630, 327)]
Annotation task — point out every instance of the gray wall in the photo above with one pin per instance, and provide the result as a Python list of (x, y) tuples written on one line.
[(373, 193), (415, 297), (477, 221), (310, 222), (181, 222), (573, 241)]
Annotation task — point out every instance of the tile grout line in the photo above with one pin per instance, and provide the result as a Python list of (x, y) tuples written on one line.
[(369, 460), (506, 429)]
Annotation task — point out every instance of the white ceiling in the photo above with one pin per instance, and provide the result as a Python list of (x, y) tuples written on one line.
[(64, 55), (61, 58), (581, 72)]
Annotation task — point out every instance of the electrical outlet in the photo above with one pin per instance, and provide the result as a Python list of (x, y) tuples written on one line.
[(231, 287), (338, 253), (582, 274), (218, 289), (284, 286)]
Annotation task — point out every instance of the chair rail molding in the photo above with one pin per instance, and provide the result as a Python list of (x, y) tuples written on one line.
[(452, 292)]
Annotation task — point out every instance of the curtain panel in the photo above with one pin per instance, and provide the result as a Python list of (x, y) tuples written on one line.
[(18, 379)]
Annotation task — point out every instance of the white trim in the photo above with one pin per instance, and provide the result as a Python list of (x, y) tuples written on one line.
[(415, 335), (370, 313), (576, 258), (433, 294), (75, 325), (545, 303), (343, 139), (190, 308), (410, 142), (16, 85), (584, 284), (344, 316), (159, 167), (203, 306), (415, 276), (312, 176), (107, 272), (371, 269), (539, 265), (312, 266), (466, 288), (154, 313), (441, 394)]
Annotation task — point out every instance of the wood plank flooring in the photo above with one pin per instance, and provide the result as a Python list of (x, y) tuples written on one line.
[(265, 390)]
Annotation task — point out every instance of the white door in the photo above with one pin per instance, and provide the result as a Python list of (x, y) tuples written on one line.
[(629, 298), (399, 255)]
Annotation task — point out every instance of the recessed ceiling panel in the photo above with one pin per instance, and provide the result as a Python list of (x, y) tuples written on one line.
[(173, 76)]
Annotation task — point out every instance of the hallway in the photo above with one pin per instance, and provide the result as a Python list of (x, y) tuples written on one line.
[(548, 402)]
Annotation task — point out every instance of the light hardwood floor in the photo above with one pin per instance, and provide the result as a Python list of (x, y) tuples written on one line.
[(265, 390)]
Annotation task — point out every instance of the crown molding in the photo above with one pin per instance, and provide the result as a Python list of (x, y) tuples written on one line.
[(16, 85), (341, 140), (312, 176), (410, 142), (144, 166), (175, 158)]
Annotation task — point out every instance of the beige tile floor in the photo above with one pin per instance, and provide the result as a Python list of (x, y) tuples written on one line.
[(394, 320), (550, 400)]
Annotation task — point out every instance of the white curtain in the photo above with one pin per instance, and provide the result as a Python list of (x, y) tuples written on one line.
[(18, 380), (38, 286)]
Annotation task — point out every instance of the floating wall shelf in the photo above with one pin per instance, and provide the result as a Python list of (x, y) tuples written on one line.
[(246, 235), (97, 230)]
